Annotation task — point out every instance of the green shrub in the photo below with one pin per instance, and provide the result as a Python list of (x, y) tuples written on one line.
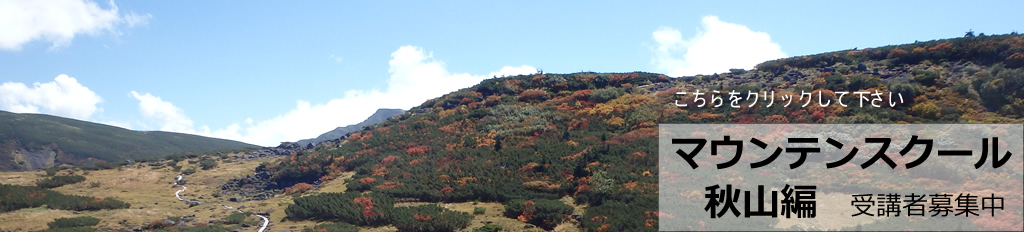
[(489, 228), (57, 181), (859, 82), (235, 218), (51, 171), (926, 78), (360, 209), (479, 210), (543, 213), (208, 164), (429, 217), (74, 222), (69, 229), (333, 227), (206, 228), (605, 94), (189, 171)]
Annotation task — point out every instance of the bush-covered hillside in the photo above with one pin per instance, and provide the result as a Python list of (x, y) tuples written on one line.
[(36, 141), (592, 136)]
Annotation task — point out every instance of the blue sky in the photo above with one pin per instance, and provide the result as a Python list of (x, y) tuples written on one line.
[(266, 72)]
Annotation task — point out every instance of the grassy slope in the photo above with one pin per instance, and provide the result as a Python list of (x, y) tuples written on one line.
[(80, 140), (152, 197)]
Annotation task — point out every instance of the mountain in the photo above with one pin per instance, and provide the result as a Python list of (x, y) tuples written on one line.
[(37, 141), (592, 137), (579, 152), (377, 117)]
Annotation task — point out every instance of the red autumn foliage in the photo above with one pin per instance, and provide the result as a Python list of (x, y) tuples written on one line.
[(299, 188), (667, 93), (533, 95), (388, 159), (447, 189), (747, 118), (389, 185), (575, 156), (1002, 222), (624, 77), (582, 94), (896, 53), (417, 150), (364, 201), (631, 136), (941, 46), (422, 218), (367, 180)]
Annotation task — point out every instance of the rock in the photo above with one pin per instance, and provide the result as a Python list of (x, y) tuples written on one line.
[(213, 216), (168, 221), (245, 225), (529, 226), (234, 199), (487, 222), (188, 216)]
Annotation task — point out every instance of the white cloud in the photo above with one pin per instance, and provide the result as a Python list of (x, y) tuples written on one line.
[(335, 58), (59, 21), (63, 96), (717, 47), (414, 78), (166, 115)]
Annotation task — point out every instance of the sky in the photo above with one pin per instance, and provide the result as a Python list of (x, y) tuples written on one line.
[(266, 72)]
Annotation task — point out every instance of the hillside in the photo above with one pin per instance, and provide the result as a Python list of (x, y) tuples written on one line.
[(592, 136), (573, 152), (379, 116), (36, 141)]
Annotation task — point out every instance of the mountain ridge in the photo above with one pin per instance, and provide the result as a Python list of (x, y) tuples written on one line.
[(37, 141), (378, 116)]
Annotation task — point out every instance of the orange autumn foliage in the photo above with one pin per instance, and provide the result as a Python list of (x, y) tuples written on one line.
[(299, 188)]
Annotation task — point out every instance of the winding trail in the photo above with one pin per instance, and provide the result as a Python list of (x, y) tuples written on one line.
[(266, 220), (178, 193)]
